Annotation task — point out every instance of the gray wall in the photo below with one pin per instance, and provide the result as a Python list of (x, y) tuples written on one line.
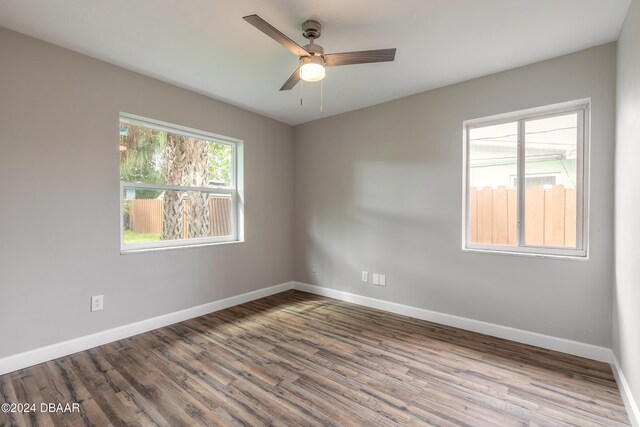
[(380, 189), (59, 199), (626, 314)]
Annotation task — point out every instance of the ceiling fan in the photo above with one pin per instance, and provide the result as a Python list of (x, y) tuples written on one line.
[(313, 60)]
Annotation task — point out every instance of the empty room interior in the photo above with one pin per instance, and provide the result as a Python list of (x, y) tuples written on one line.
[(301, 213)]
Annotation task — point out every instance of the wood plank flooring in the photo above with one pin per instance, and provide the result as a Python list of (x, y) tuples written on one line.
[(297, 359)]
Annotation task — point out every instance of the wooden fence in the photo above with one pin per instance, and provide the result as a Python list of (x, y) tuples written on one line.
[(550, 216), (145, 216)]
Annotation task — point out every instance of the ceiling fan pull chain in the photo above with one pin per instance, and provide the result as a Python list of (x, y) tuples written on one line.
[(300, 94)]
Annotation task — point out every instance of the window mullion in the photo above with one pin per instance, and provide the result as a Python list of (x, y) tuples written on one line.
[(520, 191)]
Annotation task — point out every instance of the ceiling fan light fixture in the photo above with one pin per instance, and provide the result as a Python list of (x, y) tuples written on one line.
[(312, 69)]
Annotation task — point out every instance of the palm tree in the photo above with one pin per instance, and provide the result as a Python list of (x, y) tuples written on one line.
[(198, 213), (186, 165)]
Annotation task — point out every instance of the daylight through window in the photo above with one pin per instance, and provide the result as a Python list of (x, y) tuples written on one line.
[(525, 182), (179, 186)]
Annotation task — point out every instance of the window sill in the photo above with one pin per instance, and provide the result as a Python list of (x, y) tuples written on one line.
[(578, 257), (130, 251)]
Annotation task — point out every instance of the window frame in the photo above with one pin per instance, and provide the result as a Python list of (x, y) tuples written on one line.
[(235, 189), (583, 108)]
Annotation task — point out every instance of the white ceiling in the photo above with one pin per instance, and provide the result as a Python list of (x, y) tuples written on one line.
[(205, 46)]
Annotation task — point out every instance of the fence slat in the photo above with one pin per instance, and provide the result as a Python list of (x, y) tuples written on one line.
[(500, 222), (570, 229), (225, 205), (213, 215), (512, 216), (185, 219), (485, 215), (554, 201), (473, 215), (534, 216), (219, 218)]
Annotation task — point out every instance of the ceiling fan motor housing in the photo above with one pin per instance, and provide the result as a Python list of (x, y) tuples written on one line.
[(314, 49), (311, 29)]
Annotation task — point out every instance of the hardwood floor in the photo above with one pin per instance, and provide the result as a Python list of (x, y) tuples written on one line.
[(302, 360)]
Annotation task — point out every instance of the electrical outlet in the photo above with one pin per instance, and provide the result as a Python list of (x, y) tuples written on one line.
[(365, 276), (375, 279), (383, 280), (97, 302)]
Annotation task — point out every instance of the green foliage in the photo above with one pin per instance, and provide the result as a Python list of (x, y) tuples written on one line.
[(220, 158), (143, 161), (131, 236)]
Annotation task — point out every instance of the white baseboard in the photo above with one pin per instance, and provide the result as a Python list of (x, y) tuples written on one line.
[(44, 354), (594, 352), (629, 402)]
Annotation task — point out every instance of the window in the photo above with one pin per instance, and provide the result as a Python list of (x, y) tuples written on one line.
[(525, 181), (178, 186)]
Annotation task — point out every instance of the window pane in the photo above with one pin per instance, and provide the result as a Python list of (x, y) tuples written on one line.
[(155, 156), (493, 152), (142, 154), (156, 215), (220, 164), (550, 179)]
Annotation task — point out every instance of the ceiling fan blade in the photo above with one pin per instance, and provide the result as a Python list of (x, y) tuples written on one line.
[(272, 32), (360, 57), (292, 81)]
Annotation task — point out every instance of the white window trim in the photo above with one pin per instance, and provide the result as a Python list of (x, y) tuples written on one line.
[(235, 189), (582, 177)]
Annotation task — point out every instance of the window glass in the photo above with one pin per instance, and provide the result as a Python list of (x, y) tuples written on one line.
[(493, 162), (178, 186), (546, 150), (551, 146)]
